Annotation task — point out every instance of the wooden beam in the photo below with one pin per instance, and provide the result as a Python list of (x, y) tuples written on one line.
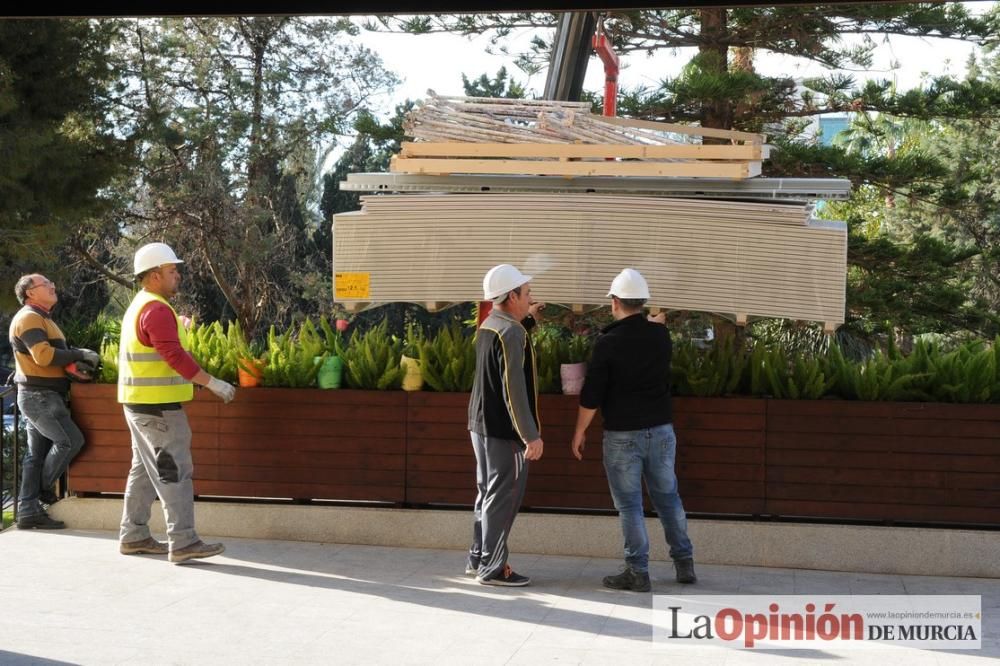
[(594, 151), (690, 130), (713, 169)]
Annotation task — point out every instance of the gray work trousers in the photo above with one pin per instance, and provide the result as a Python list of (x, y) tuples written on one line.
[(501, 477), (161, 465)]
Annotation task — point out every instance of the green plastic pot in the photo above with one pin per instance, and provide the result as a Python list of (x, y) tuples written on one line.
[(331, 373)]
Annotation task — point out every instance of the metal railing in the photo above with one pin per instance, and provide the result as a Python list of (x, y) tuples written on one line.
[(10, 456)]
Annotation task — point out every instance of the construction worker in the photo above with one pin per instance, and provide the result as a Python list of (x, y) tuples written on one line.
[(628, 378), (41, 357), (503, 421), (155, 376)]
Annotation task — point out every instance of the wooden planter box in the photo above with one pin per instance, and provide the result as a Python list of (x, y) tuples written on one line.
[(830, 459), (441, 467), (720, 460), (285, 443), (922, 462)]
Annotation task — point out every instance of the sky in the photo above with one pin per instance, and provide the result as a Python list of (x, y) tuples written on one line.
[(437, 61)]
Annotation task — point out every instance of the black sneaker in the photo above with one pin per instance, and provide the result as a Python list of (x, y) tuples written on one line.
[(471, 567), (40, 521), (685, 571), (629, 579), (507, 578)]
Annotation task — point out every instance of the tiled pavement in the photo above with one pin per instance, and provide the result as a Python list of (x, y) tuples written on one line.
[(69, 597)]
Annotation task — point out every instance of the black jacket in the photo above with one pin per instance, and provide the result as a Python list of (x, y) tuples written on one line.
[(628, 376), (504, 401)]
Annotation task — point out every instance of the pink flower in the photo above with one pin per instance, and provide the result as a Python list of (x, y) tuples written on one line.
[(342, 324)]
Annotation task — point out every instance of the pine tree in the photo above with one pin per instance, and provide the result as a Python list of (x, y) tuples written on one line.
[(58, 148)]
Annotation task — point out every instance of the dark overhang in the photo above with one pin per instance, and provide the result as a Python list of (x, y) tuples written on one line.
[(357, 7)]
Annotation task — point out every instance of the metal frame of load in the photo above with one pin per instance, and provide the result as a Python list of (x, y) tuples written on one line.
[(792, 189), (740, 259)]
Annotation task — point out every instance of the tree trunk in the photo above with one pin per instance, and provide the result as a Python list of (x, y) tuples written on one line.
[(713, 54)]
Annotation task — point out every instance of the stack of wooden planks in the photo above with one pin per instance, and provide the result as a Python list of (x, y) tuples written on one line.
[(474, 135), (736, 258)]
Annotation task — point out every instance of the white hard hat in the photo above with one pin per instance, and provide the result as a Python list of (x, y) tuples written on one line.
[(501, 279), (629, 284), (153, 255)]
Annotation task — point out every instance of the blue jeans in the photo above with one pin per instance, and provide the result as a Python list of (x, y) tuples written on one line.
[(629, 457), (53, 441)]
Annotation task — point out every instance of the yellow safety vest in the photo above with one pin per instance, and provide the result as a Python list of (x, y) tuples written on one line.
[(143, 376)]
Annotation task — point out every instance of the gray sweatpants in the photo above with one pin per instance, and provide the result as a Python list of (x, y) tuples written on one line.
[(161, 465), (501, 477)]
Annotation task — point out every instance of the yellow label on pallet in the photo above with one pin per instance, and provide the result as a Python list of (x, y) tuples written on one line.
[(352, 285)]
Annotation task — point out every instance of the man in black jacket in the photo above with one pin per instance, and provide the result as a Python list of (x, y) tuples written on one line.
[(503, 421), (628, 378)]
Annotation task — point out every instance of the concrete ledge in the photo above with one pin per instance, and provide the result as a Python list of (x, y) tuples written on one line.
[(891, 550)]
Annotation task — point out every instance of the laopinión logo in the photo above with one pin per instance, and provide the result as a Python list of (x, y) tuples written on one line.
[(811, 621)]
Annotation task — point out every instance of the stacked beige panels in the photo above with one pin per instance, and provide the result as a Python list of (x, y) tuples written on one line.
[(741, 259)]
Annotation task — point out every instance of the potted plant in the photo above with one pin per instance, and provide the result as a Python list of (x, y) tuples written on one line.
[(247, 357), (410, 359), (573, 369)]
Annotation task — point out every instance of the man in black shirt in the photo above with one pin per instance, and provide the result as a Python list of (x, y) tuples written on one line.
[(628, 378)]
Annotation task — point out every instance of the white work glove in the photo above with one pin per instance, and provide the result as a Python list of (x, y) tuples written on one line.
[(224, 390), (90, 356)]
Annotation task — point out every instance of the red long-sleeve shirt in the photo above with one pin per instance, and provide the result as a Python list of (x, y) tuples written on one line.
[(157, 328)]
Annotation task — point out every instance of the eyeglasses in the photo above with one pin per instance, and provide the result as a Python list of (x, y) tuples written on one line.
[(47, 283)]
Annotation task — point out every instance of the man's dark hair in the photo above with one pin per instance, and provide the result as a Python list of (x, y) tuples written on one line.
[(506, 297), (632, 304), (142, 276), (24, 283)]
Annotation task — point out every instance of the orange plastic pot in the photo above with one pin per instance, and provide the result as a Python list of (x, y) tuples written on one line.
[(249, 372)]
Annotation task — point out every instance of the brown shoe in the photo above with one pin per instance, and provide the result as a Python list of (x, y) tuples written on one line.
[(147, 546), (196, 550)]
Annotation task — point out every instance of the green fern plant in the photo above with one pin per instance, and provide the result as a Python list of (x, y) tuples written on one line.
[(241, 351), (371, 359), (546, 342), (448, 361), (291, 360), (576, 349), (331, 336), (109, 362), (209, 346), (414, 340), (715, 371)]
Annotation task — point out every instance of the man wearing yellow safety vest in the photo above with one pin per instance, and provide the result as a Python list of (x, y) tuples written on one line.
[(155, 376)]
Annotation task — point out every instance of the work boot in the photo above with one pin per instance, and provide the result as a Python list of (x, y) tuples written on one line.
[(685, 570), (629, 579), (147, 546), (196, 550), (48, 497), (40, 521)]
